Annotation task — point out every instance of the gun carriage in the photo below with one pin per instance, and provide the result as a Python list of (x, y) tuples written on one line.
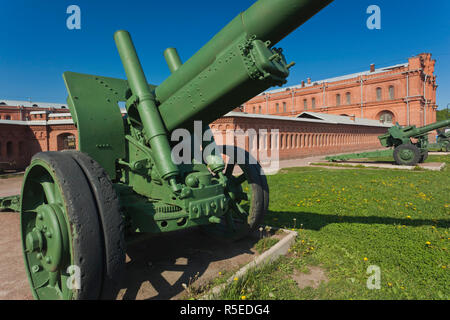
[(79, 208)]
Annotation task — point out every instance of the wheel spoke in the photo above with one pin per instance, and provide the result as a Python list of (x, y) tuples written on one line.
[(49, 190), (239, 210)]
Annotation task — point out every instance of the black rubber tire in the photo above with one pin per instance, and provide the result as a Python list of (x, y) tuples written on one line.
[(423, 157), (111, 220), (413, 149), (81, 213)]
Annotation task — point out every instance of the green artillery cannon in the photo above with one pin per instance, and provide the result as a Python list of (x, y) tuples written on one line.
[(80, 208), (442, 142), (408, 145)]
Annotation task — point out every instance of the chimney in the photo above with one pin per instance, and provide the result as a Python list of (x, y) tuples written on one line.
[(372, 67), (309, 80), (303, 83)]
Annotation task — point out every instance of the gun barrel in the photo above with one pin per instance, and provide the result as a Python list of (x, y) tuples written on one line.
[(268, 20), (430, 127)]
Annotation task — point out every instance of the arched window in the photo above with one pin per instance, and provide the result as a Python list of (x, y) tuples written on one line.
[(277, 108), (313, 103), (254, 109), (348, 98), (378, 94), (338, 99), (260, 109), (305, 104), (284, 107), (391, 93), (386, 116), (66, 141)]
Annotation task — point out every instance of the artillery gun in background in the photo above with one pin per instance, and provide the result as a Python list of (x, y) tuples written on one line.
[(408, 145), (442, 142), (79, 208)]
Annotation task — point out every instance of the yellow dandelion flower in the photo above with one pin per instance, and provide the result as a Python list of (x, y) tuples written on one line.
[(428, 243), (243, 297), (365, 259), (235, 279)]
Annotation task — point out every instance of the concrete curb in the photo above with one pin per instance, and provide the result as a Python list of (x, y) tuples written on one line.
[(348, 164), (280, 248)]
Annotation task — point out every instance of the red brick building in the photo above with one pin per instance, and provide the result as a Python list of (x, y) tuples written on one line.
[(404, 93), (43, 129)]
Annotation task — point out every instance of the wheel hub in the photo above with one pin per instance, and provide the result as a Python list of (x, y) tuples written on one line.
[(406, 154), (47, 237)]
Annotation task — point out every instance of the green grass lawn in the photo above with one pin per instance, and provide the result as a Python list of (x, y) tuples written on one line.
[(350, 219)]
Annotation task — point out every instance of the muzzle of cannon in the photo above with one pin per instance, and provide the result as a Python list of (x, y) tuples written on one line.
[(80, 208)]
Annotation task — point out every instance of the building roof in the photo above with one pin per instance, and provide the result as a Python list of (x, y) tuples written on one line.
[(340, 78), (32, 104), (342, 119), (36, 122), (315, 117)]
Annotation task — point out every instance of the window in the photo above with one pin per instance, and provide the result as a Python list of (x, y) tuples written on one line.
[(338, 100), (254, 109), (391, 93), (386, 117), (313, 103), (260, 110), (7, 117), (348, 98), (66, 141), (305, 104), (284, 107), (378, 94), (277, 108)]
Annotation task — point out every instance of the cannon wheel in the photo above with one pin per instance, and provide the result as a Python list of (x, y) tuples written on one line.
[(407, 155), (110, 219), (424, 156), (248, 193), (61, 232)]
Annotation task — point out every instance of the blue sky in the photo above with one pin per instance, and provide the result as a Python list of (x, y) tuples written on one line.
[(36, 46)]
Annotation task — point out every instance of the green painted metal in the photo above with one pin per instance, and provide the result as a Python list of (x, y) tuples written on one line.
[(173, 59), (360, 155), (11, 203), (398, 135), (404, 150), (442, 142), (238, 63), (156, 195), (45, 236), (93, 103)]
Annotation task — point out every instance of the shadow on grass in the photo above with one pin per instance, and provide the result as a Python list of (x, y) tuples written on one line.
[(316, 221)]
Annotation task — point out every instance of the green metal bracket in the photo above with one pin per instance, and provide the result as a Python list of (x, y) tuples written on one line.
[(11, 203)]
